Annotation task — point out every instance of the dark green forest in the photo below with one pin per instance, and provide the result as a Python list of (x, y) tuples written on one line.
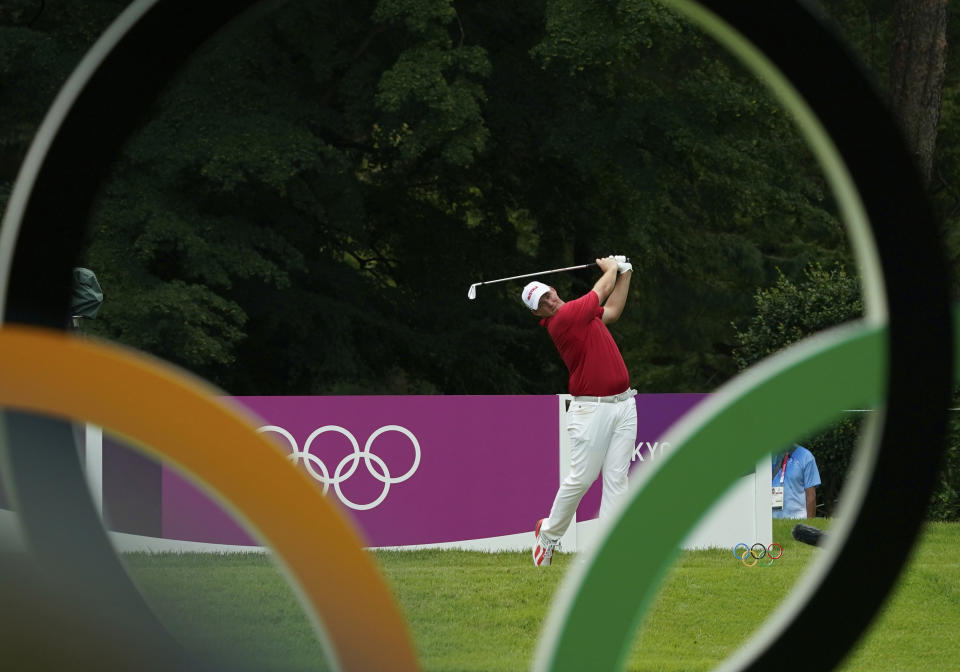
[(304, 208)]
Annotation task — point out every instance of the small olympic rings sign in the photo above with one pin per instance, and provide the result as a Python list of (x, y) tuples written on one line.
[(348, 465), (751, 556)]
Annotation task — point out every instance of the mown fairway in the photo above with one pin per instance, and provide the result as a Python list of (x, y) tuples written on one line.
[(477, 611)]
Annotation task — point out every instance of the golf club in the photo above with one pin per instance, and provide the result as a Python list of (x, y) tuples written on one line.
[(472, 292)]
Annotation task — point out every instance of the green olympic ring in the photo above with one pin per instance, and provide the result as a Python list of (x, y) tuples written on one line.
[(592, 619)]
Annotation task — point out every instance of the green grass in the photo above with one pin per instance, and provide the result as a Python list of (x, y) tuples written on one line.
[(921, 621), (478, 611), (236, 607)]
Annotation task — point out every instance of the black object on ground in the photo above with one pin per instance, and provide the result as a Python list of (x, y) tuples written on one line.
[(809, 534)]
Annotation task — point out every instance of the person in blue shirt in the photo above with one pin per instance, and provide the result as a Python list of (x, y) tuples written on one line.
[(795, 481)]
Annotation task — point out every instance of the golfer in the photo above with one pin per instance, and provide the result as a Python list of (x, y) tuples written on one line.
[(602, 419)]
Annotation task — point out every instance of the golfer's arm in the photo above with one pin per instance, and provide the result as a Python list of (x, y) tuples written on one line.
[(604, 286), (613, 308), (811, 502)]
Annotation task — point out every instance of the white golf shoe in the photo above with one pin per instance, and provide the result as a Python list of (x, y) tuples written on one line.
[(542, 547)]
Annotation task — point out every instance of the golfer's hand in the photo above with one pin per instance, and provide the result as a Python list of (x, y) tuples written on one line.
[(606, 263)]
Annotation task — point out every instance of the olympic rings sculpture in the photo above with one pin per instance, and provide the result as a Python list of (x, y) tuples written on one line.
[(381, 473), (900, 357), (750, 556)]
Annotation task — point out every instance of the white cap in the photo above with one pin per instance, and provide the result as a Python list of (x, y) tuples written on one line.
[(532, 293)]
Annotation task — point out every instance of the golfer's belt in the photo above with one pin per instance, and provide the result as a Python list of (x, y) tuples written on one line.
[(623, 396)]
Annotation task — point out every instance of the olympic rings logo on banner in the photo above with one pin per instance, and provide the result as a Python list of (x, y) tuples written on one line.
[(348, 465), (751, 556)]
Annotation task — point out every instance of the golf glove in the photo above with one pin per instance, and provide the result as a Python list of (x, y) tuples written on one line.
[(622, 264)]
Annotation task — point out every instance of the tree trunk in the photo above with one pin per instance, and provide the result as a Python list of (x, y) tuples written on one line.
[(917, 65)]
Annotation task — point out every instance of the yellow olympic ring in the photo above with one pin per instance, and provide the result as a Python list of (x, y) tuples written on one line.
[(47, 372)]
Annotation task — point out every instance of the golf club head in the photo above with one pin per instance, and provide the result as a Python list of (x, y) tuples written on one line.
[(472, 292)]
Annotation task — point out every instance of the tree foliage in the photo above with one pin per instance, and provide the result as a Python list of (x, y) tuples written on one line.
[(305, 207), (788, 312)]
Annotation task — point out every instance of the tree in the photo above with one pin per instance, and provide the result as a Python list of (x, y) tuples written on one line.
[(790, 311), (254, 218), (904, 45), (917, 68), (40, 44)]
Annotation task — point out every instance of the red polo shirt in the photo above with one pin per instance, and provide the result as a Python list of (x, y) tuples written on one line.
[(587, 348)]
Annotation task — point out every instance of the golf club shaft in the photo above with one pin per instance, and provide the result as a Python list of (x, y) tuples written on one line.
[(529, 275)]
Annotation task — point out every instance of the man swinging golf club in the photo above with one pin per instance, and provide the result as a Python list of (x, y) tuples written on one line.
[(602, 419)]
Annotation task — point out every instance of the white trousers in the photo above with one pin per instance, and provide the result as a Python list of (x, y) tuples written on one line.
[(602, 438)]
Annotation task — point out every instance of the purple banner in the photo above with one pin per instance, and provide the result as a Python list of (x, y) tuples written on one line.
[(408, 470)]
